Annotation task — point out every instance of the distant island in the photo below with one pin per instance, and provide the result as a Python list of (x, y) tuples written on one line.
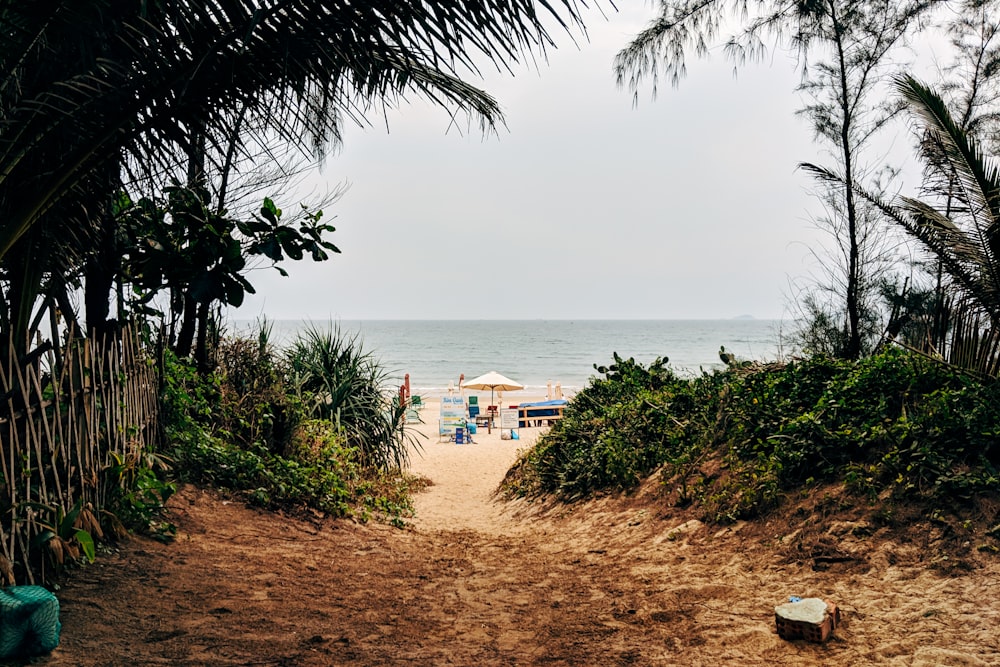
[(744, 317)]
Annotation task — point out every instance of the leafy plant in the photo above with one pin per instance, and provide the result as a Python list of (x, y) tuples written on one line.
[(244, 429), (735, 442), (337, 380), (65, 536), (140, 491)]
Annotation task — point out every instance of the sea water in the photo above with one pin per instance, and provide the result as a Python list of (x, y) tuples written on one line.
[(436, 353)]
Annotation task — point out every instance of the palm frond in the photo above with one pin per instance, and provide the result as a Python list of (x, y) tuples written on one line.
[(960, 253), (94, 80), (978, 177)]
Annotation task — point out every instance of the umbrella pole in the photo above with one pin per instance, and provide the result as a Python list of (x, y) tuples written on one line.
[(489, 428)]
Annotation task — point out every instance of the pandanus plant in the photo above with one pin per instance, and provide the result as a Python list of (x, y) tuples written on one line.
[(341, 382)]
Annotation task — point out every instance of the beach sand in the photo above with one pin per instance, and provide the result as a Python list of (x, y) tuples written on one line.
[(464, 477), (621, 580)]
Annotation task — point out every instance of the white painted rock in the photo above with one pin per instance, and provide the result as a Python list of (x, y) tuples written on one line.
[(811, 619)]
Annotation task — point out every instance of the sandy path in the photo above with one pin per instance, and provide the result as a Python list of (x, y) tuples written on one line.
[(464, 477), (616, 581)]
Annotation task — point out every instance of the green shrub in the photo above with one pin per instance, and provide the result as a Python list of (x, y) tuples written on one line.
[(255, 407), (893, 423), (337, 380), (611, 436), (244, 429)]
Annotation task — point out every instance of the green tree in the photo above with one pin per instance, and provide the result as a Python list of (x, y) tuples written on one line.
[(96, 91), (844, 48), (962, 229)]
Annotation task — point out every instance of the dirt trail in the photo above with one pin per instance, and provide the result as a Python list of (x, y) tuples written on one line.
[(475, 582)]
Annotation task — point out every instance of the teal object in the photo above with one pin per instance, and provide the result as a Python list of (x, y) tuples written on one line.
[(29, 621)]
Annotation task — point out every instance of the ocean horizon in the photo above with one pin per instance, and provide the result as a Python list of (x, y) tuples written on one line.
[(436, 353)]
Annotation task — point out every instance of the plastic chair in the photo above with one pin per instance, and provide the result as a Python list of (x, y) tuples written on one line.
[(473, 411)]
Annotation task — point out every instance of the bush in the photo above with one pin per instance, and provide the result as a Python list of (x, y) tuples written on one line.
[(245, 428), (894, 423), (612, 434), (339, 381), (255, 407)]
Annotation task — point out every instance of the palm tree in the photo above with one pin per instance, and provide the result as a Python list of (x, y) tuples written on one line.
[(97, 90), (963, 233)]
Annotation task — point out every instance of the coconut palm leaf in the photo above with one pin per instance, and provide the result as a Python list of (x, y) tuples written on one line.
[(960, 253), (971, 232), (948, 142), (93, 91), (88, 86)]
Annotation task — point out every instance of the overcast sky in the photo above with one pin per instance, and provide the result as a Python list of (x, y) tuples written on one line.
[(584, 207)]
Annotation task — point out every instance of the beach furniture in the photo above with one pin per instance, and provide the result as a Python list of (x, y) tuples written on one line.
[(495, 383), (535, 414)]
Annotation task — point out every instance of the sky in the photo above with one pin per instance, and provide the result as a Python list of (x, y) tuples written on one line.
[(585, 206)]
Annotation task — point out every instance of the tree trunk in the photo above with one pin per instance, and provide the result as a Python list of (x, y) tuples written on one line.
[(852, 350), (102, 268), (185, 337), (202, 355)]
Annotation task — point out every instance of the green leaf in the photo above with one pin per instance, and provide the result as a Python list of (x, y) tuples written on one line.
[(234, 295), (270, 212), (42, 538), (270, 248), (86, 544), (66, 524)]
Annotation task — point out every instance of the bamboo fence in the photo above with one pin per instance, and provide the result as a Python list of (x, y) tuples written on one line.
[(67, 420)]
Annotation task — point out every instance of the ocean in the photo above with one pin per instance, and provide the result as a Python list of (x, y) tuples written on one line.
[(536, 352)]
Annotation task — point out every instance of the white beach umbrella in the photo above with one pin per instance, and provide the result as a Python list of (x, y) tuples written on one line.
[(492, 381)]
